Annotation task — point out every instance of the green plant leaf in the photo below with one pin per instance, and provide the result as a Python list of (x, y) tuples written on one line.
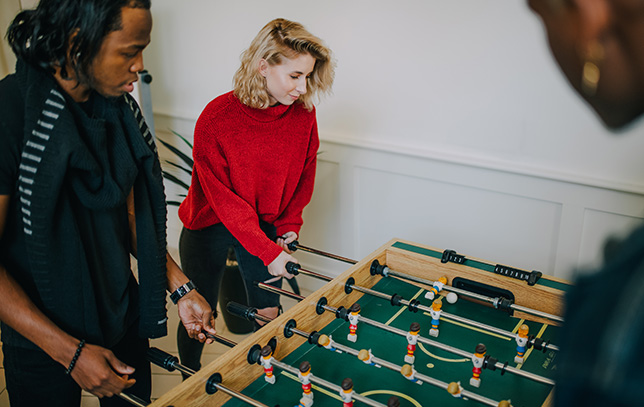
[(184, 169), (174, 179), (185, 140), (186, 159)]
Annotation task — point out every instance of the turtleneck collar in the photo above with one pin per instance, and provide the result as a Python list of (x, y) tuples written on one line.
[(269, 114)]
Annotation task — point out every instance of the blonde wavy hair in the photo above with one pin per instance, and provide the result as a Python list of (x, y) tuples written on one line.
[(279, 39)]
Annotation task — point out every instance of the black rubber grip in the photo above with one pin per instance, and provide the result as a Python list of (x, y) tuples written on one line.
[(162, 359), (293, 268), (242, 311), (293, 245)]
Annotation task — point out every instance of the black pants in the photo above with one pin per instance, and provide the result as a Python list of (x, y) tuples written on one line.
[(35, 379), (203, 259)]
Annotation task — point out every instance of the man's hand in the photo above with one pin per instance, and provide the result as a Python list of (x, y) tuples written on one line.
[(197, 316), (285, 239), (99, 372), (277, 267)]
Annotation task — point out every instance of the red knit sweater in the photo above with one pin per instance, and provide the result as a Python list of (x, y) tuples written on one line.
[(251, 164)]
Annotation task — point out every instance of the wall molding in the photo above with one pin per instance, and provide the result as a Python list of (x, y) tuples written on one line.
[(369, 192), (167, 120)]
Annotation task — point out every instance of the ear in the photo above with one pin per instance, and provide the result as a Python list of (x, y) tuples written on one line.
[(594, 19), (70, 40), (263, 67)]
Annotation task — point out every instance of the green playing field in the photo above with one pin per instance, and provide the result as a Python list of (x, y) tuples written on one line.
[(381, 383)]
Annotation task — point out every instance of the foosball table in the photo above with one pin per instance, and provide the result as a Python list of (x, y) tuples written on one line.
[(408, 325)]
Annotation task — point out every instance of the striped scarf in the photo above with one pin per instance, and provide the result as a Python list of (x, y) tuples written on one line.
[(57, 158)]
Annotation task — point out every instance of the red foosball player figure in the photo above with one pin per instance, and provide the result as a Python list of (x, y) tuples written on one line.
[(353, 322), (436, 288), (455, 389), (412, 339), (393, 402), (436, 316), (410, 373), (346, 392), (477, 360), (305, 378), (522, 342), (265, 361)]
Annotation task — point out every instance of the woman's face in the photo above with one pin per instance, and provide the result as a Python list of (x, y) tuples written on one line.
[(574, 27), (287, 81)]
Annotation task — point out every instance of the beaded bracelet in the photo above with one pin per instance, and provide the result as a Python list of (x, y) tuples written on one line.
[(75, 358)]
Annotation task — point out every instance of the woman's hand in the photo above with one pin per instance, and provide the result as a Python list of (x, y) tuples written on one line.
[(277, 267), (284, 240), (197, 316)]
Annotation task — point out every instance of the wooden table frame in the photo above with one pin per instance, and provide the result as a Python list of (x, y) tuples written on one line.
[(238, 374)]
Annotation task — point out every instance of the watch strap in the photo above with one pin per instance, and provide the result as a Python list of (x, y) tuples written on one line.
[(180, 292)]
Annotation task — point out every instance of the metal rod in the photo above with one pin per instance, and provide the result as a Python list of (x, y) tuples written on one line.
[(279, 291), (471, 294), (403, 333), (314, 274), (220, 339), (439, 345), (184, 369), (398, 368), (326, 384), (173, 363), (447, 315), (297, 246), (494, 301), (238, 395), (387, 297), (447, 348), (132, 399)]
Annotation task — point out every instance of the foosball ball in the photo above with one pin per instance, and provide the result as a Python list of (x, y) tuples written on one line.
[(408, 325)]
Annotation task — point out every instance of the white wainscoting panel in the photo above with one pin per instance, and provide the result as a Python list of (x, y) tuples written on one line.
[(365, 195)]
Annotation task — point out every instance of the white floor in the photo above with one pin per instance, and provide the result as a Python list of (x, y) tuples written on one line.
[(162, 381)]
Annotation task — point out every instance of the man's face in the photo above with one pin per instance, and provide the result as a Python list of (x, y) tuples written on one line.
[(114, 69)]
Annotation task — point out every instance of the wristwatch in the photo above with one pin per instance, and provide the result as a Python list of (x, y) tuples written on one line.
[(180, 292)]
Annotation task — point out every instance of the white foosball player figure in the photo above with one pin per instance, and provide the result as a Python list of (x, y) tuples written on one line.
[(522, 342)]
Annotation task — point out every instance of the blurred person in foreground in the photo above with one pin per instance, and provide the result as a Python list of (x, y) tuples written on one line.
[(599, 45)]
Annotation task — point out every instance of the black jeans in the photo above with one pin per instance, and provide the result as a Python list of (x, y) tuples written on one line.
[(203, 259), (35, 379)]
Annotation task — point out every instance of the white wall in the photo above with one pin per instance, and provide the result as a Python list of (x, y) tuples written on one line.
[(463, 90)]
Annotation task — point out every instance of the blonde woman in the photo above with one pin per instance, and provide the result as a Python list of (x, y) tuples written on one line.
[(254, 167)]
